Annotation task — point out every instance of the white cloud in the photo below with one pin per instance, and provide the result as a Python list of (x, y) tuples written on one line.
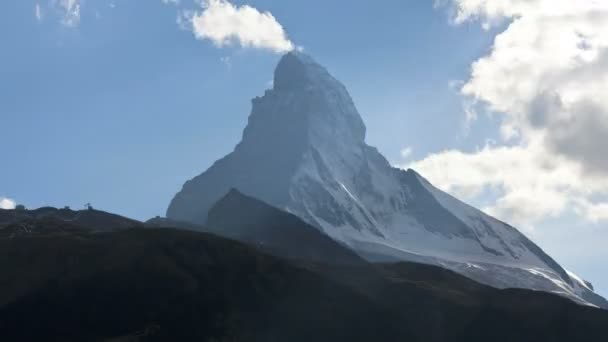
[(493, 11), (546, 76), (530, 183), (595, 212), (226, 24), (6, 203)]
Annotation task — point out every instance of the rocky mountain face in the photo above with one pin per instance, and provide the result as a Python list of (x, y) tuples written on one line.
[(304, 151)]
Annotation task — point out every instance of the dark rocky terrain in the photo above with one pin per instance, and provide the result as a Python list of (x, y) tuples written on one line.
[(65, 281), (38, 220)]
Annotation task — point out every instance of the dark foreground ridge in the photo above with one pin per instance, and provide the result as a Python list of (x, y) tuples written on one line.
[(156, 284), (251, 221), (52, 220)]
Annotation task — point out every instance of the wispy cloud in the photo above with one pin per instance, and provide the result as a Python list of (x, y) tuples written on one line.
[(70, 12), (227, 61), (38, 12)]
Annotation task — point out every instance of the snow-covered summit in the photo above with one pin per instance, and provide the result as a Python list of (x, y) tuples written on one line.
[(304, 151)]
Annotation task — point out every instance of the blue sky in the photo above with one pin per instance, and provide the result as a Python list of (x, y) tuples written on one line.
[(116, 105), (120, 110)]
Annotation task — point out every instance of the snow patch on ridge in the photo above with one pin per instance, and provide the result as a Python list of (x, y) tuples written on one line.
[(579, 281)]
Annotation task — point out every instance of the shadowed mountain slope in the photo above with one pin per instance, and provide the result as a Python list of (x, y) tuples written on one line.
[(166, 284), (251, 221)]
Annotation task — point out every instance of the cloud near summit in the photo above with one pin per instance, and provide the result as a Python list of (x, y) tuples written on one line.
[(545, 77), (226, 24)]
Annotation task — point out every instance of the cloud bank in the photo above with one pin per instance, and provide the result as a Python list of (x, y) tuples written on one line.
[(546, 76), (225, 24)]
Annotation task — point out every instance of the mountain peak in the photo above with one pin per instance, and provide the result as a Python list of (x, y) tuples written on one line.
[(300, 56), (308, 114), (304, 151), (306, 106), (298, 70)]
